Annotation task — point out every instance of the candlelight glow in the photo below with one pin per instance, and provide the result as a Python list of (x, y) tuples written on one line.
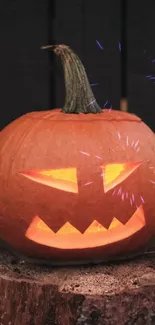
[(68, 237)]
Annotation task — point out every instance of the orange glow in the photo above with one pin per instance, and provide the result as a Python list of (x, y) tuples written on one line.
[(115, 223), (37, 223), (64, 179), (116, 173), (68, 229), (68, 237), (95, 227)]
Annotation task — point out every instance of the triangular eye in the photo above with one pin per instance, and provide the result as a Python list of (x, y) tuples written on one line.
[(113, 174), (64, 179)]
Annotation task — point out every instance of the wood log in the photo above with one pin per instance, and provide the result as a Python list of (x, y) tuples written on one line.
[(114, 293)]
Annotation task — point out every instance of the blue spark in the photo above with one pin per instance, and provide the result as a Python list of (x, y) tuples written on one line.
[(119, 46), (110, 108), (98, 157), (150, 77), (93, 101), (142, 199), (119, 191), (122, 196), (153, 60), (136, 144), (85, 153), (92, 85), (88, 183), (119, 136), (152, 182), (99, 44), (105, 103)]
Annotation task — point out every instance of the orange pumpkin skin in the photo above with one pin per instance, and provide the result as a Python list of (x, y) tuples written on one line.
[(36, 206), (52, 140)]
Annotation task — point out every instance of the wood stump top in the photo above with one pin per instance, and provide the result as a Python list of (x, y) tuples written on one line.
[(114, 293), (108, 278)]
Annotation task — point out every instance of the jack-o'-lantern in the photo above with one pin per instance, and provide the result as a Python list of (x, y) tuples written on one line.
[(77, 184)]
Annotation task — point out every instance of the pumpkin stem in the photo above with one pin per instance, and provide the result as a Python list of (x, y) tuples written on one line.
[(79, 95)]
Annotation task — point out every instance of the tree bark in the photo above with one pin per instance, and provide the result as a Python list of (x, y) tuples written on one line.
[(115, 293)]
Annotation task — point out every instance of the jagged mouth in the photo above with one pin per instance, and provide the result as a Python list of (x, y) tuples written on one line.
[(68, 237)]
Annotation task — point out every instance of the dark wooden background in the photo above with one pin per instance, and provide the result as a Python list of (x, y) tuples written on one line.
[(32, 79)]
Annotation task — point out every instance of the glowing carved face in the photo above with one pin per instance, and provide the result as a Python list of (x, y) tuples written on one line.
[(96, 235), (68, 237)]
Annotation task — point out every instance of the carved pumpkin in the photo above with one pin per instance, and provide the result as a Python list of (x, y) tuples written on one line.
[(77, 187)]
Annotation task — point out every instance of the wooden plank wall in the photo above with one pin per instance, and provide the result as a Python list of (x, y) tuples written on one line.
[(31, 79), (80, 23), (24, 70), (141, 56)]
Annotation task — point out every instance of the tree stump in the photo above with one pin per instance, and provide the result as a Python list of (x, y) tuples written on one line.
[(115, 293)]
